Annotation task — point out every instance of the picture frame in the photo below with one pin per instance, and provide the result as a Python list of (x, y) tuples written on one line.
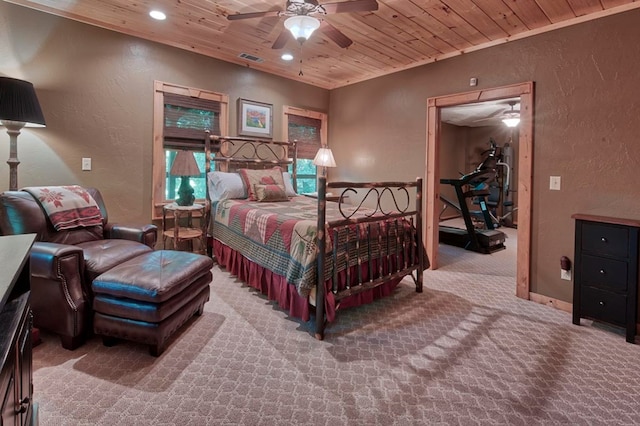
[(255, 119)]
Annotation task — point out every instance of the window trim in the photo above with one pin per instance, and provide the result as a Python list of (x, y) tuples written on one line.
[(158, 199), (323, 117), (286, 110)]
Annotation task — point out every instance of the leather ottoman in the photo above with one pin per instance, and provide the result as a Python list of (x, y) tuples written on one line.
[(146, 299)]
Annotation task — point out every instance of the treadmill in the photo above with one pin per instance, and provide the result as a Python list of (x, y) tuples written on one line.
[(479, 240)]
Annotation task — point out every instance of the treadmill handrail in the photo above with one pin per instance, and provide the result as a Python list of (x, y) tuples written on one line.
[(481, 175)]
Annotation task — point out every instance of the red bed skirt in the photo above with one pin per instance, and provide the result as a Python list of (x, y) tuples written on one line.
[(277, 289)]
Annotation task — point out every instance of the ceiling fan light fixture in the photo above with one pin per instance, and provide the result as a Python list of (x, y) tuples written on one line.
[(511, 121), (301, 26), (512, 117), (286, 57)]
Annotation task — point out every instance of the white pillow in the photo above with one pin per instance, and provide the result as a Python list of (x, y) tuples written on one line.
[(224, 186), (288, 185)]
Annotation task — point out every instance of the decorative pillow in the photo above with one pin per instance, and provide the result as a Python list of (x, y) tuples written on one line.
[(288, 185), (224, 186), (253, 177), (270, 193)]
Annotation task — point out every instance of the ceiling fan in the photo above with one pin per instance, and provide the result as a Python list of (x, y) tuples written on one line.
[(301, 22), (510, 117)]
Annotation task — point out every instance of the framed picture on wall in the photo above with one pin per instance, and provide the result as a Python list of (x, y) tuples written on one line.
[(255, 119)]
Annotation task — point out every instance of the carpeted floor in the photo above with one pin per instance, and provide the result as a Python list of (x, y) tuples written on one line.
[(465, 351)]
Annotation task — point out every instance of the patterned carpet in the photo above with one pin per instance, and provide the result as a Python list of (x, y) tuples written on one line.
[(464, 352)]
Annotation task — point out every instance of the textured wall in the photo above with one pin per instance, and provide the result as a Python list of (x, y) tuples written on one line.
[(586, 94), (453, 151), (96, 91), (95, 87)]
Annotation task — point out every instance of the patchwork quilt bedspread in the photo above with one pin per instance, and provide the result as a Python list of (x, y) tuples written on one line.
[(280, 236)]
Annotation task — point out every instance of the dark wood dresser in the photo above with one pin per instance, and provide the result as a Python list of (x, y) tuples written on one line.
[(605, 284), (16, 384)]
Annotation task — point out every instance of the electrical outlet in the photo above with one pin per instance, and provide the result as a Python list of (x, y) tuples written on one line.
[(554, 183), (473, 81), (86, 164), (565, 275)]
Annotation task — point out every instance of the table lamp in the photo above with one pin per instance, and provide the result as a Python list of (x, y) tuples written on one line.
[(324, 159), (19, 107), (184, 165)]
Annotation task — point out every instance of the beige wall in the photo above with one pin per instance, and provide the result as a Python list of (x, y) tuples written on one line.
[(96, 91), (453, 151), (584, 130), (95, 88)]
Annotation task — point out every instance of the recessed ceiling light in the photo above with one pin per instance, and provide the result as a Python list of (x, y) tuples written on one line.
[(156, 14), (287, 57)]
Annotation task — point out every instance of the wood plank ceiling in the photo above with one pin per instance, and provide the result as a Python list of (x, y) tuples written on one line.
[(401, 34)]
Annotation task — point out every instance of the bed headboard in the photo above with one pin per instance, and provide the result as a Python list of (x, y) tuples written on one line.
[(229, 153)]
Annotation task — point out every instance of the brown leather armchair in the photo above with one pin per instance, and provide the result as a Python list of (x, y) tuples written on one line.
[(64, 263)]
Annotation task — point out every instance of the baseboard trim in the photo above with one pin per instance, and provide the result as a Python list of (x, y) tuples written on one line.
[(558, 304), (550, 301)]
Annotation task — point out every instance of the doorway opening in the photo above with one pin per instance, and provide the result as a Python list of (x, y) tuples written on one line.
[(524, 92)]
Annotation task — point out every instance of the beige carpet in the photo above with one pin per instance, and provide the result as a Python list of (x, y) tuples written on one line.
[(466, 351)]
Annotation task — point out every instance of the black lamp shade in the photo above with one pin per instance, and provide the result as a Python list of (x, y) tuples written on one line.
[(18, 102)]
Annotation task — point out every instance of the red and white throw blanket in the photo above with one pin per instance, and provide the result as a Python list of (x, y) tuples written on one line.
[(68, 207)]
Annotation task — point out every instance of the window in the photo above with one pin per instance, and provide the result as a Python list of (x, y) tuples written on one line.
[(181, 116), (309, 130)]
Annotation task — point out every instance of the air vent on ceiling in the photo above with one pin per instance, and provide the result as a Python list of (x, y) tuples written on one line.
[(250, 57)]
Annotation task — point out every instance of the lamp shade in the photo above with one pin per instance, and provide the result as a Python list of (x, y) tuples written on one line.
[(324, 158), (19, 103), (301, 26), (184, 164)]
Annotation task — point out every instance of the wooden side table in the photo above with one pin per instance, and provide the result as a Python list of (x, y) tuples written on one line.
[(187, 232)]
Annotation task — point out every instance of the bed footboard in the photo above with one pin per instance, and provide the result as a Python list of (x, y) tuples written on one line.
[(368, 251)]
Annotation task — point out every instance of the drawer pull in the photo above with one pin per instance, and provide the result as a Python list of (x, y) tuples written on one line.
[(603, 239), (601, 303), (602, 272)]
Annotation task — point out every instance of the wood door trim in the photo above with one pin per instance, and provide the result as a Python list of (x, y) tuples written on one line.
[(525, 171)]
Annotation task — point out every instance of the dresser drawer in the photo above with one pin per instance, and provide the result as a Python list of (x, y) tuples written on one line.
[(605, 273), (604, 239), (604, 305)]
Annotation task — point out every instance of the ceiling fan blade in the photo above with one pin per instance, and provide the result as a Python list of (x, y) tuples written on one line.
[(494, 115), (335, 34), (350, 6), (250, 15), (282, 39)]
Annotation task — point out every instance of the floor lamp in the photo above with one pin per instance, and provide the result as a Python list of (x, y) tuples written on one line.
[(19, 107)]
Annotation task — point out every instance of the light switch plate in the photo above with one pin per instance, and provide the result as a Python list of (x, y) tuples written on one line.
[(86, 164), (554, 183), (565, 275)]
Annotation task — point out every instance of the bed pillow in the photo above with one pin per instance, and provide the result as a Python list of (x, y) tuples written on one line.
[(253, 177), (224, 186), (288, 185), (270, 193)]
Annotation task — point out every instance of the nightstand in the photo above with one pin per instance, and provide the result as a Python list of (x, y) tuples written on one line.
[(606, 271), (185, 231)]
